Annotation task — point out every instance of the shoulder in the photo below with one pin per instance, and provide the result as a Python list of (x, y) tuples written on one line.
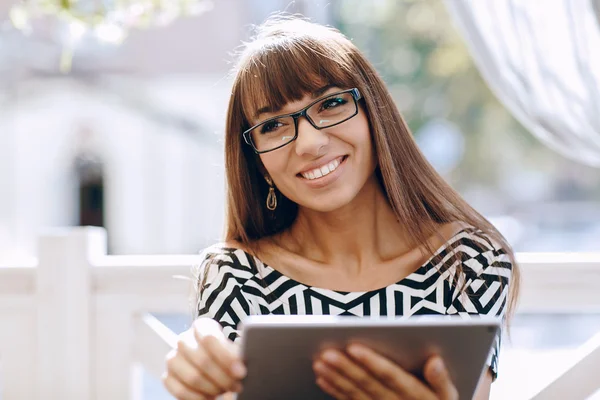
[(484, 274), (475, 241), (479, 253), (229, 253), (485, 261), (225, 260), (224, 270)]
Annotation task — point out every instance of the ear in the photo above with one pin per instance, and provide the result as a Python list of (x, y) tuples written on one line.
[(259, 165), (262, 170)]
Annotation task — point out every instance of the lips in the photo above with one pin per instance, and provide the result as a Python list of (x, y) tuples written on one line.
[(322, 170)]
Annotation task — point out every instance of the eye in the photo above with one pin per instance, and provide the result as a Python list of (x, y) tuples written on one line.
[(270, 126), (332, 103)]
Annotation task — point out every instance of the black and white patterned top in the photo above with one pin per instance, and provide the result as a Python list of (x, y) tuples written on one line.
[(238, 284)]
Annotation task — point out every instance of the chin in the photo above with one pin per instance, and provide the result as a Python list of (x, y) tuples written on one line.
[(327, 203)]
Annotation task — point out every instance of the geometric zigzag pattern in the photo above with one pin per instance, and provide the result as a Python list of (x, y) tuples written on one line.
[(238, 284)]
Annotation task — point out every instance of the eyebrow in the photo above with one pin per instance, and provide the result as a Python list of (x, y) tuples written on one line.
[(316, 94)]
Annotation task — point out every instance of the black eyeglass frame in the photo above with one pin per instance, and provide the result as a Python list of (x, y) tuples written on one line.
[(302, 113)]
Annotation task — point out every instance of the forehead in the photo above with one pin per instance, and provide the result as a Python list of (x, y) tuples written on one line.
[(268, 109), (271, 80), (270, 96)]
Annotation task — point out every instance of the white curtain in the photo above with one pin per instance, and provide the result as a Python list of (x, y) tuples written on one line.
[(542, 60)]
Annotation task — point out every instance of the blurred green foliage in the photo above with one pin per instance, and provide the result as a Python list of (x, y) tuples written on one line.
[(428, 69)]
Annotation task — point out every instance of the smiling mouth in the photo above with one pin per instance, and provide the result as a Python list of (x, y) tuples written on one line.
[(324, 170)]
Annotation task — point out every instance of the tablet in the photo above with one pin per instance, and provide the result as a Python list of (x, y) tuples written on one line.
[(279, 350)]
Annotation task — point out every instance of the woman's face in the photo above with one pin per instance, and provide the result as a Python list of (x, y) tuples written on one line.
[(322, 170)]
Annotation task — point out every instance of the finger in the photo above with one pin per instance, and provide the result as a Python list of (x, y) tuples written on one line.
[(221, 349), (179, 390), (389, 373), (356, 374), (212, 372), (190, 375), (192, 350), (215, 373), (225, 354), (331, 389), (438, 378), (342, 384), (216, 357), (193, 354)]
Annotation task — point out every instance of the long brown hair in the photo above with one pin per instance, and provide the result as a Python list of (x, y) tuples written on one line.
[(290, 57)]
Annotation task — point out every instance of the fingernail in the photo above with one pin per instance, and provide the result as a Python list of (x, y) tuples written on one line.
[(319, 366), (330, 356), (238, 369), (356, 351), (438, 366)]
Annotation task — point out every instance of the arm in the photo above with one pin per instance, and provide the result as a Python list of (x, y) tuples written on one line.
[(220, 279), (363, 374), (484, 386), (371, 376), (487, 273), (205, 363)]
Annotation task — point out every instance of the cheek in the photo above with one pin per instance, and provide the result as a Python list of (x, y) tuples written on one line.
[(275, 164), (360, 137), (366, 137)]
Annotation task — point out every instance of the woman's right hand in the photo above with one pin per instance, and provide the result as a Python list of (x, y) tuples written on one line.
[(204, 365)]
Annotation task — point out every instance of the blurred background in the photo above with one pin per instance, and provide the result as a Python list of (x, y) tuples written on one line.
[(126, 133), (130, 138)]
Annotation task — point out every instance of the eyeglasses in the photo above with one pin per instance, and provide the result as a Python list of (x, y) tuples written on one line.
[(326, 112)]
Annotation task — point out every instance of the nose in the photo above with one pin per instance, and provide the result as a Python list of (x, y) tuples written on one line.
[(310, 140)]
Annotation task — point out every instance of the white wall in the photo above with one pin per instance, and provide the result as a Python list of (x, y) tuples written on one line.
[(164, 187)]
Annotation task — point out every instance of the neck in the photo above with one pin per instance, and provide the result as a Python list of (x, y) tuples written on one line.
[(362, 233)]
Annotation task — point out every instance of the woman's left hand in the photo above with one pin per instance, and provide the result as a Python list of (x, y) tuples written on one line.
[(363, 374)]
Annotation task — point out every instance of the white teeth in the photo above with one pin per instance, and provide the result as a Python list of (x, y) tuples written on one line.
[(322, 171)]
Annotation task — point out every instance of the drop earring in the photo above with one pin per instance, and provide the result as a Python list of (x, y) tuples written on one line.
[(271, 197)]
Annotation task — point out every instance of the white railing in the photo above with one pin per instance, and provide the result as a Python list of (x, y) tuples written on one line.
[(74, 322)]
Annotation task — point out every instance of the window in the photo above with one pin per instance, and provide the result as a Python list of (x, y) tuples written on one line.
[(540, 200)]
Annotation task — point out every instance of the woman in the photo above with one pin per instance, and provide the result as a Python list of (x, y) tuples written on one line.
[(332, 209)]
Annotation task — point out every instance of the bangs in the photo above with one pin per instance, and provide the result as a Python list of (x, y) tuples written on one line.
[(286, 69)]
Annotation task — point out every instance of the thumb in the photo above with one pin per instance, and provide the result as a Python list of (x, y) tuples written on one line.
[(208, 327), (210, 337), (438, 378)]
